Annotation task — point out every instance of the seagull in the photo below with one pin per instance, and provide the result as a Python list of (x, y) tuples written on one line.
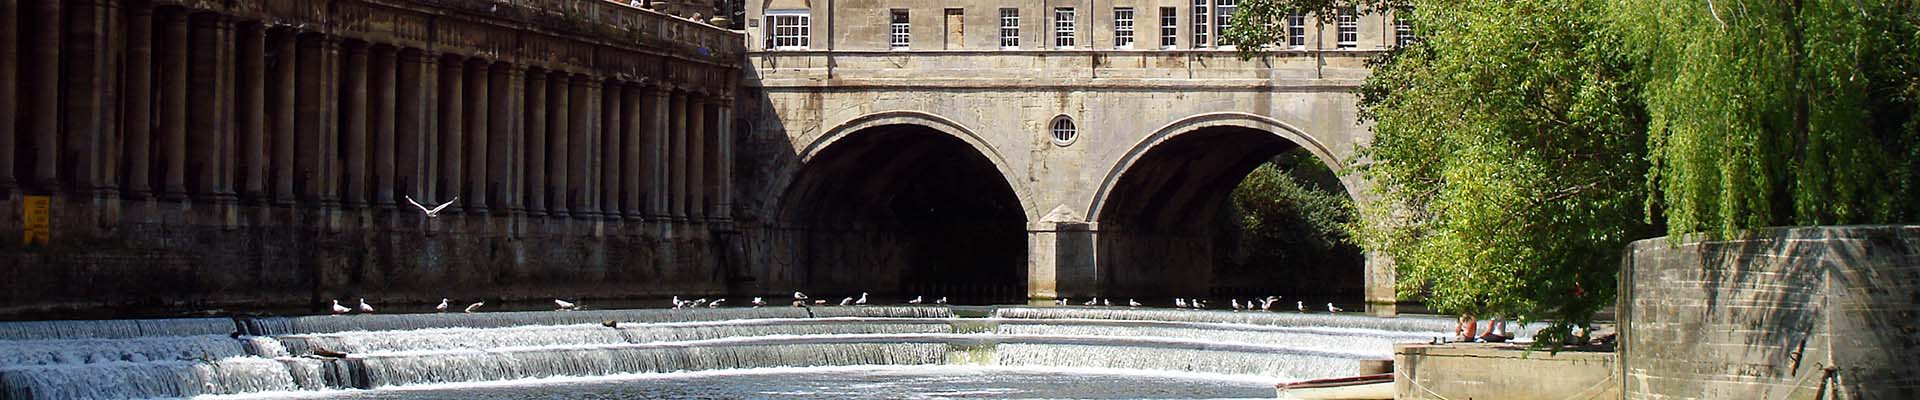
[(1060, 301), (474, 306), (1106, 302), (1094, 302), (846, 301), (862, 300), (340, 309), (1179, 302), (677, 303), (1331, 309), (916, 300), (942, 300), (368, 308), (1131, 303), (564, 305), (716, 303), (799, 296), (432, 212), (757, 302), (1268, 305), (442, 307), (1236, 305), (1300, 305), (697, 303)]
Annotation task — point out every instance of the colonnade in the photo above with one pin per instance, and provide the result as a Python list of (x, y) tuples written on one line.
[(131, 99)]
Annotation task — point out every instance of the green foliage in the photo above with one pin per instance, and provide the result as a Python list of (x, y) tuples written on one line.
[(1293, 191), (1768, 112)]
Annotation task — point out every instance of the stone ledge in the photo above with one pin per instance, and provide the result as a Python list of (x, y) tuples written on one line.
[(1501, 371)]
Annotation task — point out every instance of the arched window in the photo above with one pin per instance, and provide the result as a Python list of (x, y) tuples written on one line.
[(1063, 131)]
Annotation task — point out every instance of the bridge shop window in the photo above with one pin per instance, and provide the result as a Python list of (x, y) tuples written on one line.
[(1063, 19), (1297, 31), (1200, 22), (1169, 27), (789, 29), (1063, 131), (1123, 28), (899, 33), (1223, 19), (1349, 25), (1009, 28)]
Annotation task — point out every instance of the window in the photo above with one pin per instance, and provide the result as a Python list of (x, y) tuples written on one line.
[(789, 29), (1402, 28), (899, 34), (1123, 28), (1223, 18), (1169, 27), (1009, 28), (1200, 22), (1063, 132), (1297, 31), (1063, 27), (1349, 23)]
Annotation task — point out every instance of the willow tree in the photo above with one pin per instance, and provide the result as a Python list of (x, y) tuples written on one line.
[(1772, 112), (1508, 154)]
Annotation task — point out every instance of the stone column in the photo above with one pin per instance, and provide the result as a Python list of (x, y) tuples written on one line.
[(250, 109), (452, 129), (412, 129), (580, 138), (86, 84), (329, 146), (475, 175), (286, 49), (171, 50), (536, 139), (517, 134), (500, 137), (384, 101), (723, 138), (590, 166), (356, 128), (655, 105), (137, 114), (630, 189), (611, 148), (559, 95), (225, 158), (9, 88), (203, 116), (43, 113), (309, 170), (677, 154), (697, 157)]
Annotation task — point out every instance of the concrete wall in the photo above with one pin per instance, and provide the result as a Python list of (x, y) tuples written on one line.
[(1499, 371), (1797, 313)]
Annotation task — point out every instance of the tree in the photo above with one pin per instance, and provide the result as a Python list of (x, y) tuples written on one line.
[(1798, 112), (1508, 155)]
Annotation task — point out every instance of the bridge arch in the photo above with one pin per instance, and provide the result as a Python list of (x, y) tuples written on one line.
[(1163, 217), (905, 203)]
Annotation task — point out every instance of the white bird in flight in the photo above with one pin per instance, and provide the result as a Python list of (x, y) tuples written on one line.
[(474, 306), (432, 212), (442, 307), (340, 309), (368, 308), (565, 305)]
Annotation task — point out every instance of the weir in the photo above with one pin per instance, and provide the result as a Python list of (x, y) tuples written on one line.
[(105, 359)]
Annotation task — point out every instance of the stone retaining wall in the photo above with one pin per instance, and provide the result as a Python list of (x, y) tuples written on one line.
[(1499, 371)]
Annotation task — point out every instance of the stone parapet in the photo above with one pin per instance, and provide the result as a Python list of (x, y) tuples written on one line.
[(1501, 371), (1064, 69)]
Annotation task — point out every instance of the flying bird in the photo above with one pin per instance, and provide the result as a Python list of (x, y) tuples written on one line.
[(431, 212), (474, 306), (565, 305), (442, 307), (364, 307), (340, 309)]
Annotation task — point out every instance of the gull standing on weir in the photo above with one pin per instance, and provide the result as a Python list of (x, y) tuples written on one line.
[(916, 300), (863, 299), (1132, 303), (846, 301), (757, 302), (565, 305), (716, 303), (442, 307), (474, 306), (1300, 305), (340, 309), (432, 212), (368, 308), (1333, 310)]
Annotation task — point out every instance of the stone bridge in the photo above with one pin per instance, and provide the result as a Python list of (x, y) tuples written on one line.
[(1034, 174)]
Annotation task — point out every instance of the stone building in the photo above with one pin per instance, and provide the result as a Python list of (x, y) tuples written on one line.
[(1034, 149)]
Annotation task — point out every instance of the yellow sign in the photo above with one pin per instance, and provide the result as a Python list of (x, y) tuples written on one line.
[(38, 220)]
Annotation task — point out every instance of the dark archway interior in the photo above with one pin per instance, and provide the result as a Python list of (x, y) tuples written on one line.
[(903, 210), (1169, 228)]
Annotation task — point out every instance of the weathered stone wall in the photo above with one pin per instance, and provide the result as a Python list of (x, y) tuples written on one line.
[(1499, 371), (1794, 313)]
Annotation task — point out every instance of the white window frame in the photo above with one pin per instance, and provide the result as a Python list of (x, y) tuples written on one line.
[(1063, 131), (1402, 29), (1064, 19), (1169, 27), (899, 29), (788, 29), (1009, 28), (1297, 31), (1348, 23), (1202, 24), (1123, 18), (1223, 19)]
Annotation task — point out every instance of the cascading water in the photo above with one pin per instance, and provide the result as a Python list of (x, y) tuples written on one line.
[(118, 359)]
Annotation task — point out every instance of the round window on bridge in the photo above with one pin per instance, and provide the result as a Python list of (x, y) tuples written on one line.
[(1063, 131)]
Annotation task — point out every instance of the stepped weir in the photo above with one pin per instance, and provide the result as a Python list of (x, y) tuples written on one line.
[(120, 359)]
